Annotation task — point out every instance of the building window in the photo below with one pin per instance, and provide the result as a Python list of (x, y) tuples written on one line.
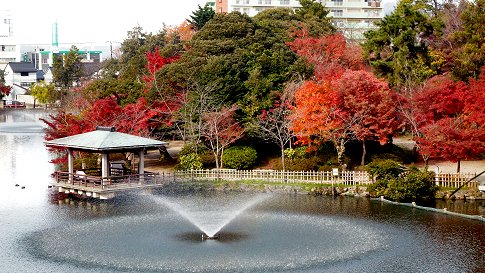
[(284, 2), (267, 2), (337, 2), (220, 10), (246, 10), (25, 84), (24, 74), (7, 60), (337, 12), (236, 9)]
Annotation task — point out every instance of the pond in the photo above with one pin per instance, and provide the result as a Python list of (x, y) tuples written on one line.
[(43, 231)]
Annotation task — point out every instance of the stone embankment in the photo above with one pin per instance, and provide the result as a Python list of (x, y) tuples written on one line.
[(469, 194), (268, 188), (353, 191)]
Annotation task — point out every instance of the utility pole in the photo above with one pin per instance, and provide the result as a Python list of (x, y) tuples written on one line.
[(111, 47)]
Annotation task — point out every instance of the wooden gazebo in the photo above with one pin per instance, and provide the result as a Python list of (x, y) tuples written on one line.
[(104, 182)]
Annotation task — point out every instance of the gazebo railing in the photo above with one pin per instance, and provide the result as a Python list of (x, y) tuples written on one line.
[(110, 182)]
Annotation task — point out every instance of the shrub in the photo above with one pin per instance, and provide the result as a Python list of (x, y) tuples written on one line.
[(382, 169), (386, 156), (414, 185), (189, 162), (295, 153), (304, 164), (192, 148), (239, 157), (206, 157)]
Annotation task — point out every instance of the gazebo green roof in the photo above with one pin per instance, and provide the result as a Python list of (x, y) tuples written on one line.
[(105, 139)]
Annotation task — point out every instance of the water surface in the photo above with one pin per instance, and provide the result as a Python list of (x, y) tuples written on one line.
[(42, 231)]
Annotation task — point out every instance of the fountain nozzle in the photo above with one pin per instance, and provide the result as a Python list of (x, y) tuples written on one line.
[(207, 237)]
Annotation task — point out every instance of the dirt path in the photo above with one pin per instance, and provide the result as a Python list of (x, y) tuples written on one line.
[(467, 166), (152, 159)]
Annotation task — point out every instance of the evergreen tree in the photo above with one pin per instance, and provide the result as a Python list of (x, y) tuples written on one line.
[(67, 68), (397, 50), (201, 16), (470, 56)]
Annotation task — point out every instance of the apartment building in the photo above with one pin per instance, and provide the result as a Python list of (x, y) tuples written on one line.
[(9, 49), (352, 17)]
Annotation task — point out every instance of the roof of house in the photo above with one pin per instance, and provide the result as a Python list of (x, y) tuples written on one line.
[(18, 67), (105, 139)]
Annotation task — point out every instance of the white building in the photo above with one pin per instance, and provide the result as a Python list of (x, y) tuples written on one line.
[(20, 76), (9, 49), (352, 17), (43, 57)]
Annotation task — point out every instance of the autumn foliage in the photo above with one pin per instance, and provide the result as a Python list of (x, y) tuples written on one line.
[(155, 61), (450, 118), (330, 55), (5, 90), (355, 106)]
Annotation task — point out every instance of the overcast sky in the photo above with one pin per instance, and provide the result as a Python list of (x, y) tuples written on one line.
[(94, 21), (91, 21)]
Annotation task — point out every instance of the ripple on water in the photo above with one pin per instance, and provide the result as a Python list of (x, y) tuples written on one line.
[(165, 243)]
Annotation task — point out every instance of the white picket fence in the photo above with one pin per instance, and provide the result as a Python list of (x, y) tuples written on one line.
[(350, 178), (455, 180)]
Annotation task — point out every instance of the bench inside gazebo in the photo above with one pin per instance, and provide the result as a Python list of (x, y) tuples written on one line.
[(104, 182)]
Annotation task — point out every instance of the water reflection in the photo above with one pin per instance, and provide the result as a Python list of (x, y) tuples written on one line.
[(24, 161)]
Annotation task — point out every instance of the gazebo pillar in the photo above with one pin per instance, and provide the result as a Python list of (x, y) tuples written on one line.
[(104, 165), (70, 165), (141, 161)]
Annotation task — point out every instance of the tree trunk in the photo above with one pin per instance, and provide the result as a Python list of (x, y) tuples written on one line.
[(222, 153), (340, 147), (458, 165), (217, 160), (283, 159), (362, 161)]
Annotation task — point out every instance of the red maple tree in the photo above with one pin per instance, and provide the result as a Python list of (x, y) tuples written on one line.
[(155, 61), (5, 90), (318, 117), (371, 105), (330, 55), (450, 119)]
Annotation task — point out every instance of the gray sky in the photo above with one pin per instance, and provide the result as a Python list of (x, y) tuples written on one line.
[(97, 22), (92, 21)]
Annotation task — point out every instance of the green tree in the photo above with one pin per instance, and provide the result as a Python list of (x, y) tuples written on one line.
[(241, 61), (470, 56), (397, 49), (132, 63), (315, 18), (201, 16), (67, 68), (43, 92)]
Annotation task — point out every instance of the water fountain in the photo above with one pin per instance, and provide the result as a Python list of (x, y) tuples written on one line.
[(211, 213)]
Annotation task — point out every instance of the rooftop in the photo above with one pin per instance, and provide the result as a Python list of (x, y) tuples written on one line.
[(105, 139)]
